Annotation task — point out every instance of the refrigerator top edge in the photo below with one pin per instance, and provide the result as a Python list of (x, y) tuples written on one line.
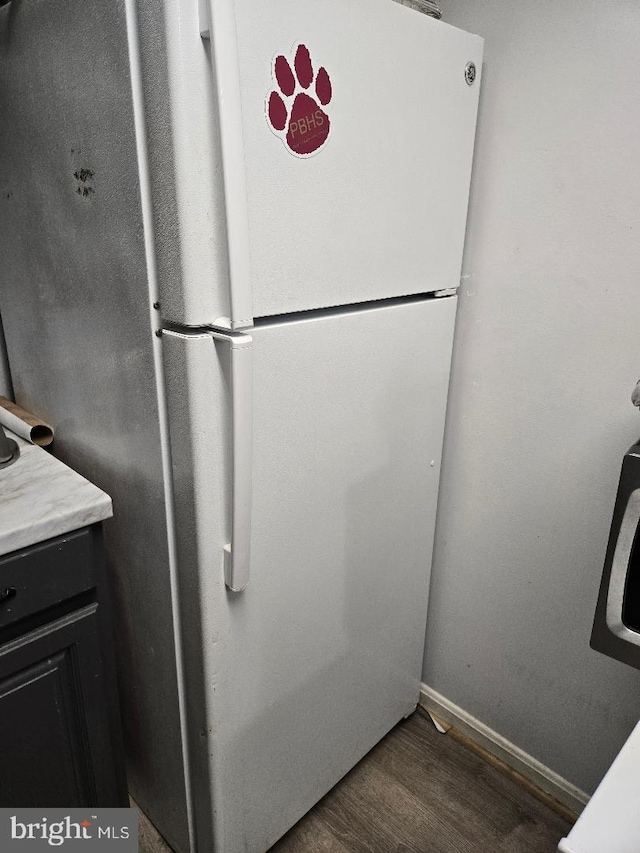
[(431, 21)]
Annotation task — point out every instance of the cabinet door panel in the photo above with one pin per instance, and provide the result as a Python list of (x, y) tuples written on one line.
[(54, 734), (39, 723)]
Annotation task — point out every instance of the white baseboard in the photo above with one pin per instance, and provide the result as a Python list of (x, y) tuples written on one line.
[(536, 772)]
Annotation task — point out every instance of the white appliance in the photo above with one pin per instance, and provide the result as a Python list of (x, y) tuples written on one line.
[(278, 191), (611, 820)]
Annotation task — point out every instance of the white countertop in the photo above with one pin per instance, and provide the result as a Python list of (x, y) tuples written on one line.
[(40, 497)]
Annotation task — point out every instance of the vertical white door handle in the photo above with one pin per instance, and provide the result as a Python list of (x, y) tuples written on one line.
[(218, 25), (237, 553), (620, 569)]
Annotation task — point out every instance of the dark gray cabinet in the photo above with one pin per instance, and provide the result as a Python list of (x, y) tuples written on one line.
[(60, 737)]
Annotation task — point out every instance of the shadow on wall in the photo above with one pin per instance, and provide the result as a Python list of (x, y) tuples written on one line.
[(6, 389)]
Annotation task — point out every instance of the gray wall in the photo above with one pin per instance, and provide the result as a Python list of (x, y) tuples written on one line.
[(547, 352)]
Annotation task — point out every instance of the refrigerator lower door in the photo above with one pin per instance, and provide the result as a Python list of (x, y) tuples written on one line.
[(610, 822), (616, 627), (294, 679)]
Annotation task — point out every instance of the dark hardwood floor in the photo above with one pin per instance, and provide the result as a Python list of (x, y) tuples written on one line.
[(419, 791)]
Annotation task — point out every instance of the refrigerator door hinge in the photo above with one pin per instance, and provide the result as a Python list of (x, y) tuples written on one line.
[(448, 291), (226, 324)]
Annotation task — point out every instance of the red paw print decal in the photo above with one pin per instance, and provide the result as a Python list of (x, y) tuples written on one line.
[(300, 121)]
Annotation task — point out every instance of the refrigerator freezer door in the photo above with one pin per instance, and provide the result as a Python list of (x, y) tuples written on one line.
[(362, 194), (320, 655), (380, 209)]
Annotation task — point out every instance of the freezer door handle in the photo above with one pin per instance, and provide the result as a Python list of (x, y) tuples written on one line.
[(237, 553), (218, 26), (620, 567)]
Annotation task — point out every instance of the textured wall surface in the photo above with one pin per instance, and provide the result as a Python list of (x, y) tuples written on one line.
[(547, 353)]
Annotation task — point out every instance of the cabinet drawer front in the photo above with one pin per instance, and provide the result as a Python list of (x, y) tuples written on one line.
[(39, 577)]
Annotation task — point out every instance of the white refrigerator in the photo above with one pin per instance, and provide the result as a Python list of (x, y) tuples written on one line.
[(231, 237)]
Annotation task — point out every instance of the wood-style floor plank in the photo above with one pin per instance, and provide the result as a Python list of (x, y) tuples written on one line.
[(312, 834), (465, 787), (149, 839), (374, 812)]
